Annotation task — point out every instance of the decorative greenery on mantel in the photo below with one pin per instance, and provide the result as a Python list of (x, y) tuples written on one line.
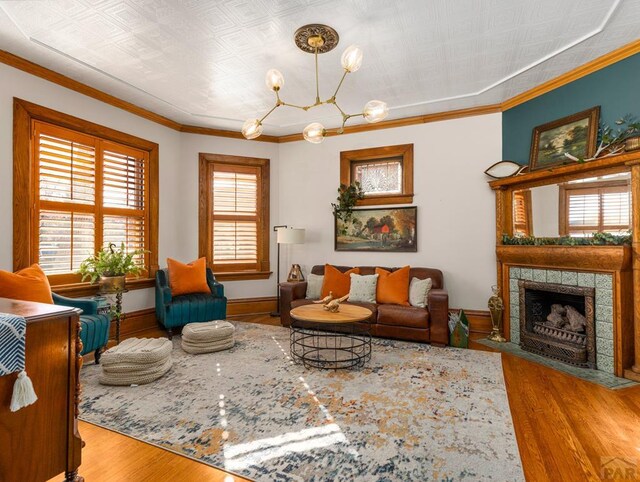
[(596, 239), (347, 198)]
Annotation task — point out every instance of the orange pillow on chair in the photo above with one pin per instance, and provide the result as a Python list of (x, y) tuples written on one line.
[(393, 287), (336, 281), (188, 278), (28, 284)]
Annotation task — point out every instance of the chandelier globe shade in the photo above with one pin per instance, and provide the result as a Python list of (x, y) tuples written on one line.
[(317, 39), (375, 111), (252, 128), (314, 133), (274, 79), (351, 59)]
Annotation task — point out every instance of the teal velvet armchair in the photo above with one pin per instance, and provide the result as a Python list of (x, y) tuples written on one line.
[(177, 311), (94, 331)]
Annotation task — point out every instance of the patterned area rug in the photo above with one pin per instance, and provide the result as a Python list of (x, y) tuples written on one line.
[(415, 413)]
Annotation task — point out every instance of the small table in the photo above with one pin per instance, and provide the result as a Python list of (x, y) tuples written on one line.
[(119, 315), (321, 339)]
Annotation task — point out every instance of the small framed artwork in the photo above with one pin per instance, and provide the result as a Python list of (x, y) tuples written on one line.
[(575, 135), (388, 229)]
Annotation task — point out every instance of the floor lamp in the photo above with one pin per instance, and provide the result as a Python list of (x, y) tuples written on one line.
[(285, 235)]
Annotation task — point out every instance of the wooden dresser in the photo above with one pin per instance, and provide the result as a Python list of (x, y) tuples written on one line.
[(41, 441)]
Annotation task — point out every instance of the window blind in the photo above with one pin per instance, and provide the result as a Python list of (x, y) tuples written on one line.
[(91, 192), (235, 211), (522, 213), (603, 209)]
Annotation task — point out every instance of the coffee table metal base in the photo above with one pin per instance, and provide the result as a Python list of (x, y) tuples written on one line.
[(329, 346)]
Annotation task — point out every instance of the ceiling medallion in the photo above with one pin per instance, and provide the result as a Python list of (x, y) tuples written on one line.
[(317, 39)]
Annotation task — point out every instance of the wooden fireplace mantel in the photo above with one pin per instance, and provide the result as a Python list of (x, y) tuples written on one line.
[(622, 262)]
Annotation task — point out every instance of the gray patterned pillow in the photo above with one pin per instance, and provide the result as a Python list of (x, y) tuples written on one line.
[(314, 286), (363, 288), (418, 291)]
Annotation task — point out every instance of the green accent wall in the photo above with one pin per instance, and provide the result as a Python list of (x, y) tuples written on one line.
[(616, 89)]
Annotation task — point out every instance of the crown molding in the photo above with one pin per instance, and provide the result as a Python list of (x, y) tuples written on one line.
[(406, 121), (47, 74), (597, 64)]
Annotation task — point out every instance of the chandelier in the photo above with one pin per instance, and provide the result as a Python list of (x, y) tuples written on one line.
[(318, 39)]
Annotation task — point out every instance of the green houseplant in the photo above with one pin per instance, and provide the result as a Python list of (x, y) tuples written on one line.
[(110, 266), (347, 198)]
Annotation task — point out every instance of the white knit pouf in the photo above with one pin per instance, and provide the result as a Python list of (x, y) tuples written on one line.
[(136, 361), (208, 337)]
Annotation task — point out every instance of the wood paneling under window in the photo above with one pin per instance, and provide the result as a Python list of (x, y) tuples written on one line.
[(77, 187), (234, 216)]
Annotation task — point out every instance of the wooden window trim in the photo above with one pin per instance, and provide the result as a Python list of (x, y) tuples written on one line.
[(405, 151), (205, 207), (527, 226), (563, 205), (24, 183)]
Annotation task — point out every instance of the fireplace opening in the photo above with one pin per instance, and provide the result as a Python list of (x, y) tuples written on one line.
[(558, 321)]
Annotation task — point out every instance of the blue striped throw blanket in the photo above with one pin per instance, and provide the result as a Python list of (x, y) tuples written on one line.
[(13, 333)]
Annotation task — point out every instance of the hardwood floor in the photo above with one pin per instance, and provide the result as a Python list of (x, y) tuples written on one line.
[(564, 427)]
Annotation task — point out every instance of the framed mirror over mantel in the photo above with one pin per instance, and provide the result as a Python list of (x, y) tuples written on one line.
[(574, 201)]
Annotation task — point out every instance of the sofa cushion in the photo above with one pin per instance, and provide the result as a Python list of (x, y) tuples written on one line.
[(314, 286), (403, 316), (419, 291), (28, 284), (363, 288), (188, 278), (393, 287), (337, 282)]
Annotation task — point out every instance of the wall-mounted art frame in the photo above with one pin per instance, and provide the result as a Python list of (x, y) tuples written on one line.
[(385, 173), (575, 134), (387, 230)]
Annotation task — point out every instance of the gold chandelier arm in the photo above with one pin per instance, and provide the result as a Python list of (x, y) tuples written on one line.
[(278, 104), (302, 107), (317, 81), (339, 85)]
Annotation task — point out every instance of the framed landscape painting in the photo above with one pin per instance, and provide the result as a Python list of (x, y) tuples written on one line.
[(390, 230), (575, 135)]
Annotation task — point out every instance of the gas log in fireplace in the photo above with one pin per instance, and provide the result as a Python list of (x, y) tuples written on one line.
[(558, 321)]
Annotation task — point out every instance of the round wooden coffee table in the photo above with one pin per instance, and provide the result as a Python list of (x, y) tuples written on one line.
[(321, 339)]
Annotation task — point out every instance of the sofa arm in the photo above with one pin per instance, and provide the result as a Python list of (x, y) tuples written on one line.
[(88, 307), (288, 293), (217, 289), (438, 305)]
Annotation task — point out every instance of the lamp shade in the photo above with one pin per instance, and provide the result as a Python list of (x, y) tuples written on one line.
[(290, 236)]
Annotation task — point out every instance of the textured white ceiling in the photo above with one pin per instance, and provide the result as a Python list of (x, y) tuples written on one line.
[(203, 62)]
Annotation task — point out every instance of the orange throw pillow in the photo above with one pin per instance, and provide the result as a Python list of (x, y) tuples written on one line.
[(337, 282), (188, 278), (393, 287), (28, 284)]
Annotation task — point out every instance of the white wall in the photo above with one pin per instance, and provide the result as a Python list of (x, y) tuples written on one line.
[(187, 183), (545, 209), (456, 220), (178, 223), (455, 215)]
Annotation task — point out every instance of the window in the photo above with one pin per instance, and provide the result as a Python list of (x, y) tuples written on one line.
[(522, 213), (602, 206), (384, 173), (85, 190), (234, 216)]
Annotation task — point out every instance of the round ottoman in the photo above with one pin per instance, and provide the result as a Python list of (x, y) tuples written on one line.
[(207, 337), (136, 361)]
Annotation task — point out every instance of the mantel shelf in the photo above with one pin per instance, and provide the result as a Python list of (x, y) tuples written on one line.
[(567, 170), (582, 258)]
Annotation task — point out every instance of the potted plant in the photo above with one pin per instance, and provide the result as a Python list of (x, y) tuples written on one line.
[(110, 266), (347, 198)]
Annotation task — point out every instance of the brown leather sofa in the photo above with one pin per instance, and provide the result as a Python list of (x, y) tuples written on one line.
[(428, 324)]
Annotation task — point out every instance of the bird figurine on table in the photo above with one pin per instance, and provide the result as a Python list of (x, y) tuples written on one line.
[(334, 305), (326, 299)]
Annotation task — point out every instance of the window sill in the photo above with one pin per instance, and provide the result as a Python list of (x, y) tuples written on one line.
[(241, 275), (87, 289), (378, 200)]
